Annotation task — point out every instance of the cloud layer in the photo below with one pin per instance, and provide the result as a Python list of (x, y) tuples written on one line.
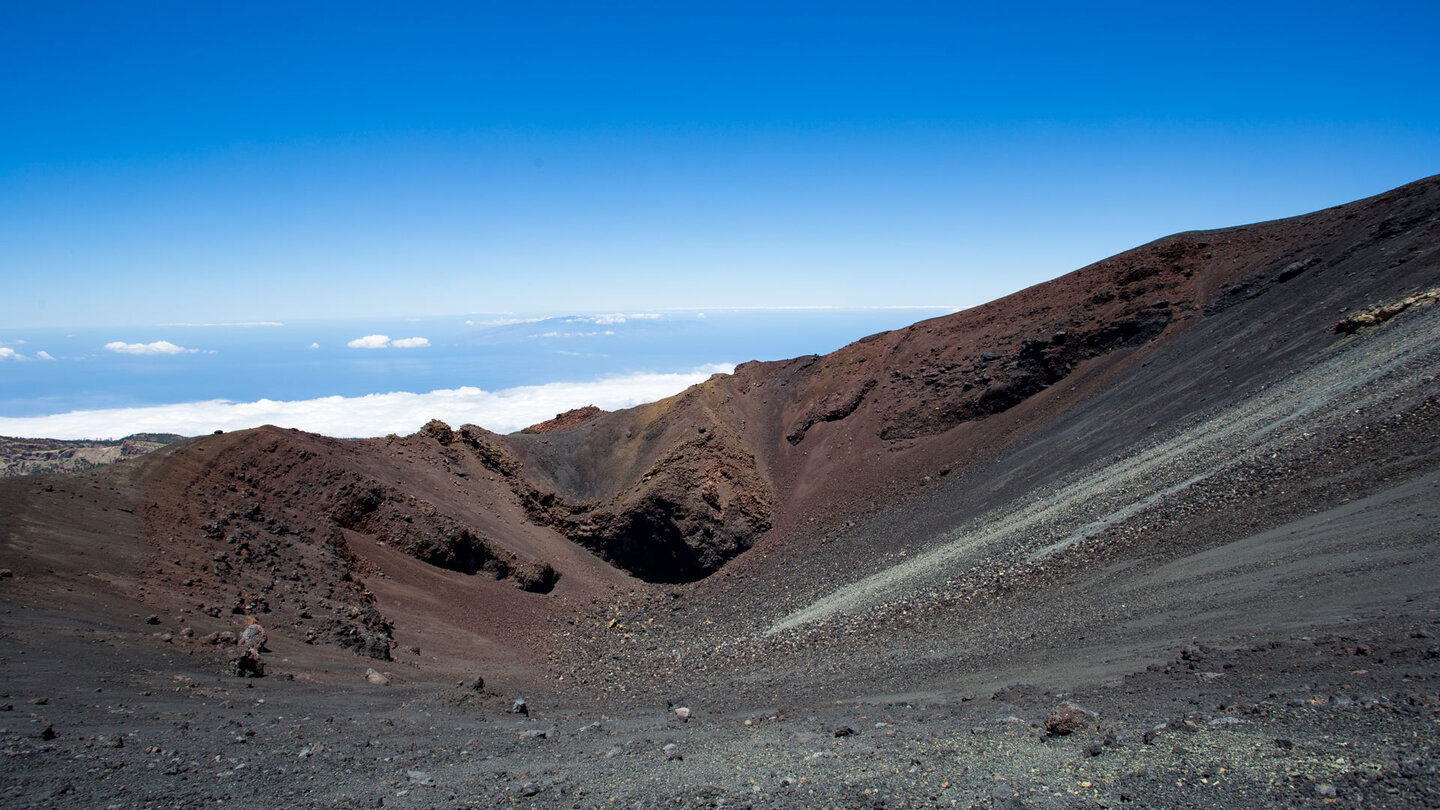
[(503, 411)]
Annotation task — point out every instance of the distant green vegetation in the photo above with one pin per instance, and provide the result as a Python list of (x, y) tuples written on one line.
[(44, 456)]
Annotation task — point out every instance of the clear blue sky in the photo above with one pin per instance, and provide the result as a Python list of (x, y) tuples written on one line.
[(276, 161)]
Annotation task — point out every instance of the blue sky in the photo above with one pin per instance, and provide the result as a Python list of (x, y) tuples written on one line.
[(265, 161)]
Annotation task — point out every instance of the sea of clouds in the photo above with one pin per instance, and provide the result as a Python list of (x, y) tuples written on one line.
[(502, 411)]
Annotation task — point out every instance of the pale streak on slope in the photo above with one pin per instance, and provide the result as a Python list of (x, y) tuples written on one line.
[(1355, 374)]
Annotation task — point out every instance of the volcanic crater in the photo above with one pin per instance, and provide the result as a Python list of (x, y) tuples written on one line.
[(1159, 532)]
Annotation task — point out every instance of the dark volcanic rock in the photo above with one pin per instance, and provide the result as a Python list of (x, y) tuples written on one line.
[(248, 665)]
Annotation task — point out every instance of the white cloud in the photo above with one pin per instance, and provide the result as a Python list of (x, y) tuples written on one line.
[(158, 347), (314, 345), (44, 355), (7, 353), (374, 415), (383, 342)]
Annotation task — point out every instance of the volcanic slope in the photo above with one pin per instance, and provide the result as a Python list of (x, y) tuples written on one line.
[(868, 575)]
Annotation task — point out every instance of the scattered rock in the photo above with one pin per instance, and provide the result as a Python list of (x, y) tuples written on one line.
[(672, 751), (253, 637), (249, 665), (376, 678), (520, 707), (6, 573), (1013, 692), (152, 619), (48, 734), (420, 778), (1067, 718), (683, 712), (477, 684), (534, 577)]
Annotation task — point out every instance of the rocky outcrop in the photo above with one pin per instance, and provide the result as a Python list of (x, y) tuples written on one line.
[(700, 505), (831, 408), (975, 387), (696, 507), (568, 420), (1374, 316), (425, 533)]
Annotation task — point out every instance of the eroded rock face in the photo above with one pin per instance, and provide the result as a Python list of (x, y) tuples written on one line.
[(422, 531), (703, 501), (701, 504), (968, 388), (832, 408)]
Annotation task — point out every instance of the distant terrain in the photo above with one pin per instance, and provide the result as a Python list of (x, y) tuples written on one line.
[(1158, 533), (34, 456)]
